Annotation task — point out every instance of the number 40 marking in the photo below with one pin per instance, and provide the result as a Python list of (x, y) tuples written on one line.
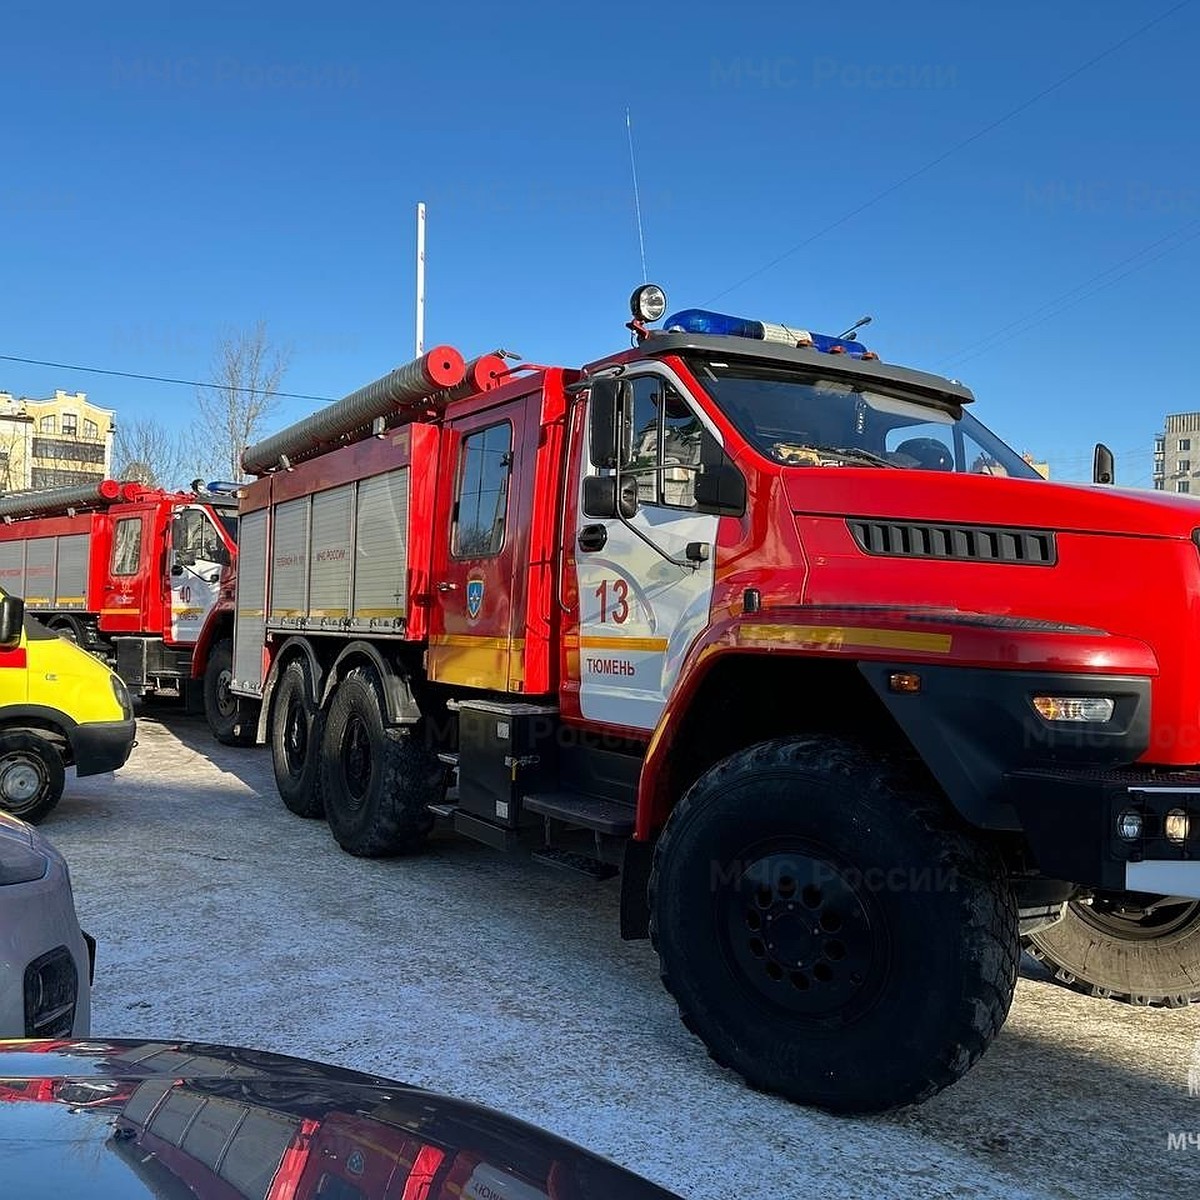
[(616, 593)]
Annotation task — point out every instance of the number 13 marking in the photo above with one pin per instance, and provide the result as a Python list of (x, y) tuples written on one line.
[(615, 591)]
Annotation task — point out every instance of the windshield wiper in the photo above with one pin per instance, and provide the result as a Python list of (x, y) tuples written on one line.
[(855, 454)]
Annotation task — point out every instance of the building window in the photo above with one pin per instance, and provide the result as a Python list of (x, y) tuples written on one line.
[(1158, 485), (1185, 464), (70, 425), (1185, 444), (482, 492), (46, 424), (127, 546), (1159, 445), (91, 430), (1183, 485)]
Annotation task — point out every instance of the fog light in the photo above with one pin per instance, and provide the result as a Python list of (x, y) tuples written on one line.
[(904, 681), (1074, 708), (1129, 825), (1176, 825)]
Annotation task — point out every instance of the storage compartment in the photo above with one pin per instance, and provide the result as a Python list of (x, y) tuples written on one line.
[(505, 751)]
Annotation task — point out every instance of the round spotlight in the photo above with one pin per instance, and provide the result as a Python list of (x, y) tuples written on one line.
[(1129, 825), (1176, 826), (648, 303)]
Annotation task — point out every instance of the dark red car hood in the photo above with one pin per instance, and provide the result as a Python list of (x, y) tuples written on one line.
[(125, 1120)]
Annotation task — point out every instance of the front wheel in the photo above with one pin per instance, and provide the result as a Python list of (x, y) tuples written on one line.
[(829, 930), (31, 775), (220, 704), (1129, 948), (377, 782)]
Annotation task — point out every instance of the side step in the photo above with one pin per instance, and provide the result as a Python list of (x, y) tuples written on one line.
[(583, 864), (585, 812)]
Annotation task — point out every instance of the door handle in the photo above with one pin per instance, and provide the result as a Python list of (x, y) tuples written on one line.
[(447, 586), (592, 538)]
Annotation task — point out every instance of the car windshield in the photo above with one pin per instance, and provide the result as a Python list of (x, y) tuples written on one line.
[(805, 419)]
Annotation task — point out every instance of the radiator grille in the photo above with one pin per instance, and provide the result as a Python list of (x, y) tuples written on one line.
[(967, 543)]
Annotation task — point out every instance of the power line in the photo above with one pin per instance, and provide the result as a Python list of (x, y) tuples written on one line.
[(962, 145), (1053, 308), (221, 387)]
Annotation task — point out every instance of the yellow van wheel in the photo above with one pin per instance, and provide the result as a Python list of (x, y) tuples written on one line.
[(31, 775)]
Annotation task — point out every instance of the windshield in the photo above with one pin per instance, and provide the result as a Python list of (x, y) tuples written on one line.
[(807, 420)]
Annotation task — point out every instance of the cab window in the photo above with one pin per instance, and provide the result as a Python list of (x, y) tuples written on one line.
[(667, 444), (194, 538), (482, 500), (127, 546)]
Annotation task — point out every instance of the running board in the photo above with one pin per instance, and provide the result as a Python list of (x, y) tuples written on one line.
[(581, 864), (584, 812)]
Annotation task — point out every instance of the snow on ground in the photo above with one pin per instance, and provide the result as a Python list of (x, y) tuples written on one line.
[(221, 917)]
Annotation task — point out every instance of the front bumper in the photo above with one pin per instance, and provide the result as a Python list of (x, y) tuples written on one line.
[(102, 746), (43, 952), (1070, 818)]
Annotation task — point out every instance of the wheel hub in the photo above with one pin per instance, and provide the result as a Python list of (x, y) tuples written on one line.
[(226, 704), (20, 782), (800, 932)]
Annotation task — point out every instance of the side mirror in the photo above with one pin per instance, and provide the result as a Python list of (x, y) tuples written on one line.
[(601, 499), (1103, 466), (610, 417), (720, 488), (12, 622)]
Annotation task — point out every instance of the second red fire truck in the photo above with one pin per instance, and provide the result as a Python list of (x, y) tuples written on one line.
[(850, 697), (135, 575)]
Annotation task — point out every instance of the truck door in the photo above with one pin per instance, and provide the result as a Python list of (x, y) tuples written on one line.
[(479, 541), (198, 556), (639, 610)]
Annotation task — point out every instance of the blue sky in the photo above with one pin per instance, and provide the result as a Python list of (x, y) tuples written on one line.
[(166, 175)]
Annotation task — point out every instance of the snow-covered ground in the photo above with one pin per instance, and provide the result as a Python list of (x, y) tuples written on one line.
[(221, 917)]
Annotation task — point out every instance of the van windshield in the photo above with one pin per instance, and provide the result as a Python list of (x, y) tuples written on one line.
[(804, 419)]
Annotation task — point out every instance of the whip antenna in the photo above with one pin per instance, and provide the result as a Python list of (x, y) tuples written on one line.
[(637, 200)]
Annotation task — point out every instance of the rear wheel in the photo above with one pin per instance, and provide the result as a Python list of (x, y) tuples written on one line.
[(1123, 947), (828, 930), (296, 726), (220, 704), (31, 775), (377, 782)]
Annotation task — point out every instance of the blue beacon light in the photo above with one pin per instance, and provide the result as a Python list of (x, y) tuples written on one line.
[(699, 320)]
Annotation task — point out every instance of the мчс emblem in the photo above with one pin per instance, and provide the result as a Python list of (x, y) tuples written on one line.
[(474, 597)]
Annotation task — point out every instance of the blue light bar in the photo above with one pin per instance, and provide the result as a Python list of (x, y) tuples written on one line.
[(699, 320)]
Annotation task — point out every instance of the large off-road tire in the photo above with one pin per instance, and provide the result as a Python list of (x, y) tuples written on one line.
[(31, 775), (829, 930), (220, 704), (1114, 949), (297, 724), (378, 782)]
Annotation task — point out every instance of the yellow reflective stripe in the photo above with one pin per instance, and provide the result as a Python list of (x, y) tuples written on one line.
[(834, 637), (623, 643)]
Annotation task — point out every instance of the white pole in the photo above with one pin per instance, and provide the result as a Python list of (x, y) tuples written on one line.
[(420, 279)]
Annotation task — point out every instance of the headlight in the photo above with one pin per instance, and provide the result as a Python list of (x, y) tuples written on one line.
[(121, 692), (1130, 825), (1176, 825), (20, 864), (1074, 708)]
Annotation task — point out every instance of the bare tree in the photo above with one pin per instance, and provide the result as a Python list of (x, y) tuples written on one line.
[(246, 372), (147, 451)]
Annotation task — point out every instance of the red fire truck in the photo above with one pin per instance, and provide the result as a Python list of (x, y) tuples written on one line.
[(849, 696), (134, 574)]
